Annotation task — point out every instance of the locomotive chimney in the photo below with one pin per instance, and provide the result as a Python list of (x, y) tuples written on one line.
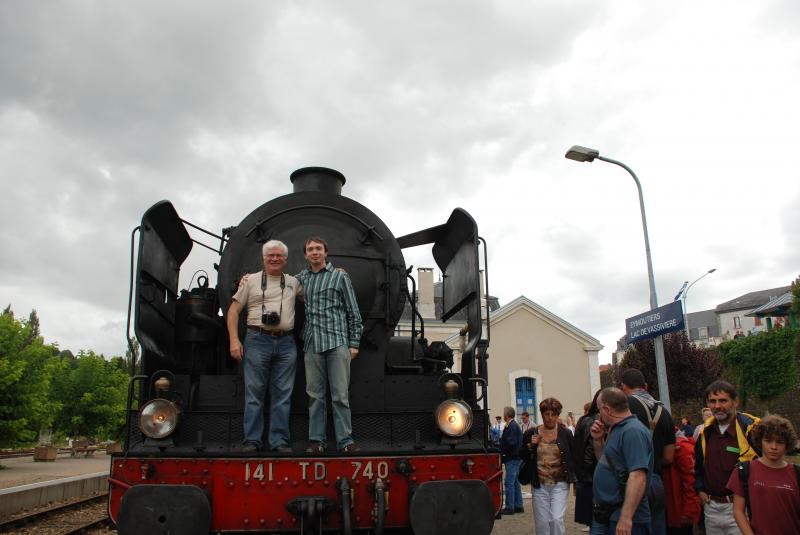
[(319, 179)]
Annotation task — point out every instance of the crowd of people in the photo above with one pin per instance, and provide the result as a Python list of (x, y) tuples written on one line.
[(634, 471)]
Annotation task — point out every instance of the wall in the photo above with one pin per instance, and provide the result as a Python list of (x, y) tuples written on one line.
[(523, 342)]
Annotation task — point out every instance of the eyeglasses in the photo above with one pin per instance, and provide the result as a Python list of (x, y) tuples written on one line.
[(274, 256)]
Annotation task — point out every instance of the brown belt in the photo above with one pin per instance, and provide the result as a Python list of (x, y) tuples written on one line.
[(270, 332), (721, 499)]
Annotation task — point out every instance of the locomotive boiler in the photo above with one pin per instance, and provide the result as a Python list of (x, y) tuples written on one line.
[(425, 465)]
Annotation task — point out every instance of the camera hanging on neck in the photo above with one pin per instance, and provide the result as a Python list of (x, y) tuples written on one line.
[(273, 319)]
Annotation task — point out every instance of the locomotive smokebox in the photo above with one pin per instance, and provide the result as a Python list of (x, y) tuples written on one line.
[(317, 179)]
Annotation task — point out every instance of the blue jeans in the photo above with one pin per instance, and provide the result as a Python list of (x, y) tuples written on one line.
[(636, 528), (658, 519), (512, 486), (329, 368), (268, 361), (599, 529)]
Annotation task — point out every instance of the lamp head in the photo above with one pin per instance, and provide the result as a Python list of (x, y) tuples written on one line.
[(581, 154)]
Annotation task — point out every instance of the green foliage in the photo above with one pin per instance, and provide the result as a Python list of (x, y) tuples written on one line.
[(93, 394), (26, 366), (765, 363), (607, 377), (689, 368), (41, 387)]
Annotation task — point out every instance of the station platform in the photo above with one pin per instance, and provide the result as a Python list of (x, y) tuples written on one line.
[(24, 470)]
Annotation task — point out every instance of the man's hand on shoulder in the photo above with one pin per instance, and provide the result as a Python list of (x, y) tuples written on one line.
[(353, 352), (243, 280)]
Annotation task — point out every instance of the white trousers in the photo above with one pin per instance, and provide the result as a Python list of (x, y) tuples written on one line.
[(549, 508), (720, 520)]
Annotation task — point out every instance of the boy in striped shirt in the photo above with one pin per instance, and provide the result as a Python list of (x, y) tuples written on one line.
[(331, 338)]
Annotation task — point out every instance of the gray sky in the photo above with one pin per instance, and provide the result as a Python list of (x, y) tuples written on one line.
[(107, 107)]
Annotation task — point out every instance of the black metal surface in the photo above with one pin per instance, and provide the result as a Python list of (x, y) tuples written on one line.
[(164, 510), (163, 246), (462, 507), (311, 510)]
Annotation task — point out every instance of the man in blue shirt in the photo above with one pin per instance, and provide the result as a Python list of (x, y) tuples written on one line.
[(331, 338), (625, 452), (510, 444)]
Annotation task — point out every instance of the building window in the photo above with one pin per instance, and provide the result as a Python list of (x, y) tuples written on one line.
[(737, 323), (525, 388), (758, 321), (702, 332)]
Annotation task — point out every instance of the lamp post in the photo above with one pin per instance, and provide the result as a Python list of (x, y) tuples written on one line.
[(583, 154), (684, 291)]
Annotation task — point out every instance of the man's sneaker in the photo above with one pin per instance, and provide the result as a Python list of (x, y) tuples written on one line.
[(282, 449), (315, 447), (506, 511), (250, 447), (519, 510), (350, 448)]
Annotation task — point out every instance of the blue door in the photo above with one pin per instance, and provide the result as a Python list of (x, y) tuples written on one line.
[(525, 388)]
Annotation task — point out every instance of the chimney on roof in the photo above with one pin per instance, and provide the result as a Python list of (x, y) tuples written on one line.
[(425, 293)]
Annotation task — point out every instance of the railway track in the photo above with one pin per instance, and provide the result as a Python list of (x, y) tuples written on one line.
[(84, 515)]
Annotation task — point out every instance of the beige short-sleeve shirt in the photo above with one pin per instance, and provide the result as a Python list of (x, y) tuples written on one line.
[(249, 296)]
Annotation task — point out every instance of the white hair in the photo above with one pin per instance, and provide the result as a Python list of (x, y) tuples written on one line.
[(271, 244)]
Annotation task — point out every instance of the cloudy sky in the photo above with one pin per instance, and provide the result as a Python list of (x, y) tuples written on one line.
[(109, 106)]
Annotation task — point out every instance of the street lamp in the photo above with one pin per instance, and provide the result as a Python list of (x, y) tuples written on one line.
[(583, 154), (684, 291)]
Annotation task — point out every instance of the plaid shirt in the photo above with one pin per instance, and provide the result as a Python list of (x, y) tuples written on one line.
[(332, 316)]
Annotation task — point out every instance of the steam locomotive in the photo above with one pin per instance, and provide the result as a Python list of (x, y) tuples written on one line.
[(425, 465)]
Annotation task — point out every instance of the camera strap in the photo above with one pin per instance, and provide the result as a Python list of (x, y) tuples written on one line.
[(264, 291)]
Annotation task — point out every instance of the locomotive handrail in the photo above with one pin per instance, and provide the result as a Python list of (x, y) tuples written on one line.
[(133, 381), (221, 239), (486, 287), (128, 338), (366, 225)]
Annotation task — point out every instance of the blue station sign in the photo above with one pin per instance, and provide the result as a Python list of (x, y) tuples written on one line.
[(662, 320)]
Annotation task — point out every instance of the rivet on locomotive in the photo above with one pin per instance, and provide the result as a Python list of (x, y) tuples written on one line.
[(424, 466)]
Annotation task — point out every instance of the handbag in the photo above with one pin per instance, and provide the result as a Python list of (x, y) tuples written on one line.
[(525, 475)]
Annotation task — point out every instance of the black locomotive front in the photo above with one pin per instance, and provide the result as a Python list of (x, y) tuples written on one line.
[(417, 422)]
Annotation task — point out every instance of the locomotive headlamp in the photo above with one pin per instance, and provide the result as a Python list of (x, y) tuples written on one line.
[(158, 418), (454, 417)]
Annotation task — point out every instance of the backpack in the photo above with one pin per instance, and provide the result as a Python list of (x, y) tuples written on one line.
[(652, 419), (744, 476)]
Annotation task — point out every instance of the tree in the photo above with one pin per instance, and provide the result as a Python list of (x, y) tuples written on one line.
[(765, 364), (92, 393), (689, 368), (26, 367)]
